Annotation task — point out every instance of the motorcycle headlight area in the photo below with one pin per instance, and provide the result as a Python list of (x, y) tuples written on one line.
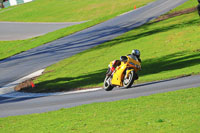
[(132, 63)]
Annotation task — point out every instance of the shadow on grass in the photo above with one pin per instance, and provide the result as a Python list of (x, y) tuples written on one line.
[(170, 62), (148, 32), (69, 83), (152, 66)]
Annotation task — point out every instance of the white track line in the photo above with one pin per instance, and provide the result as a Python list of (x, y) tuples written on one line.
[(27, 95), (8, 90)]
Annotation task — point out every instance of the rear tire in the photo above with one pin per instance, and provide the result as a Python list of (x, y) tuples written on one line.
[(127, 83), (107, 85)]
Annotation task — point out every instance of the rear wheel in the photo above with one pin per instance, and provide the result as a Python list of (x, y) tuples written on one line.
[(107, 85), (128, 82)]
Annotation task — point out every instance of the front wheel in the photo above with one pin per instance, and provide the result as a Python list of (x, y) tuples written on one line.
[(107, 85), (129, 80)]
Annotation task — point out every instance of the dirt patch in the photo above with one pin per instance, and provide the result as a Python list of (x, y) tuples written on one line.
[(174, 14), (29, 87), (26, 86)]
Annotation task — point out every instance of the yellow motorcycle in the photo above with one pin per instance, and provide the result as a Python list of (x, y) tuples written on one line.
[(124, 74)]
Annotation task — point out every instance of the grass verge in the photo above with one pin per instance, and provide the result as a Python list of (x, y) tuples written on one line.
[(10, 48), (167, 112)]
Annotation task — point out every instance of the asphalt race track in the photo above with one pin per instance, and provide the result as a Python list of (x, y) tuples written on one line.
[(20, 106), (25, 30), (35, 59)]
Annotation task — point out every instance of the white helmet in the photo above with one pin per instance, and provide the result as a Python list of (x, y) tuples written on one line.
[(136, 52)]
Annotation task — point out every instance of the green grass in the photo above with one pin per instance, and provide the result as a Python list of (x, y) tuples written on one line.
[(188, 4), (176, 111), (68, 10), (10, 48), (169, 48)]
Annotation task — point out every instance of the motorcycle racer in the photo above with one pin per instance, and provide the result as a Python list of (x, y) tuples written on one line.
[(135, 54)]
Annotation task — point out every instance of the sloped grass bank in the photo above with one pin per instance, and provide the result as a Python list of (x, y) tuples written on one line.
[(40, 14), (68, 10), (169, 48), (167, 112)]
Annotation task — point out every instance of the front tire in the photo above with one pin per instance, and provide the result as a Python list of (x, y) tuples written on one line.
[(107, 85), (128, 82)]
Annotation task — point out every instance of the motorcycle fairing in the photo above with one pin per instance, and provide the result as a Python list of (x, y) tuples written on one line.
[(119, 74)]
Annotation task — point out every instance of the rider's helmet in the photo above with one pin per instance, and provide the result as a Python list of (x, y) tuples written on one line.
[(136, 53)]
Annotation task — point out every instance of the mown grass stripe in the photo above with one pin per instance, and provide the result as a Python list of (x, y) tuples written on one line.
[(176, 111)]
